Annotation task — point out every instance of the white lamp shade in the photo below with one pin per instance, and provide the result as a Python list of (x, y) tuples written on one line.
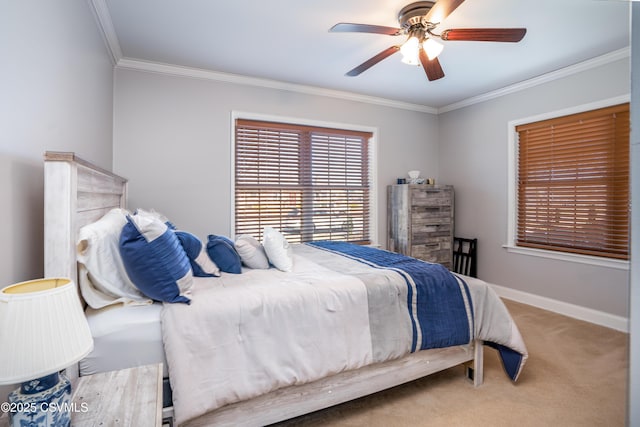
[(432, 48), (410, 51), (42, 329)]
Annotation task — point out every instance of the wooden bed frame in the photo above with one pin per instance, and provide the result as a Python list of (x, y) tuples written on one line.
[(77, 193)]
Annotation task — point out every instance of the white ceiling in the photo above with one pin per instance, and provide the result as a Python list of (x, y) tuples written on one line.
[(288, 41)]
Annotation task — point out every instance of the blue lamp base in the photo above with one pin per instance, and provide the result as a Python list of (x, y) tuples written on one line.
[(43, 402)]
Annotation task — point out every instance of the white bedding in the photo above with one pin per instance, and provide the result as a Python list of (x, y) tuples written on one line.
[(245, 343), (245, 335), (123, 337)]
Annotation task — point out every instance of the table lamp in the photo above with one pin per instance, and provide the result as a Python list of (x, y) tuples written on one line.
[(42, 331)]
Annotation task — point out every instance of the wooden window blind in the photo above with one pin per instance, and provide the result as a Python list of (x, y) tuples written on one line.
[(311, 183), (573, 183)]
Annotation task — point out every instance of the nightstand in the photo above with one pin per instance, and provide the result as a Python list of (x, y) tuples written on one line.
[(129, 397)]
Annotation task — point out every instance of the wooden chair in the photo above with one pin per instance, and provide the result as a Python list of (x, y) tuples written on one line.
[(464, 256)]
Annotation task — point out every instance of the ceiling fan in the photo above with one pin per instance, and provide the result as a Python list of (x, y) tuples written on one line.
[(418, 21)]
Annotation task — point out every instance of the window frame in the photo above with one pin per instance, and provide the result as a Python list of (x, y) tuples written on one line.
[(512, 189), (373, 149)]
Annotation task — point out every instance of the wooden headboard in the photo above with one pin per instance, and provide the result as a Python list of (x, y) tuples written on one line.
[(76, 193)]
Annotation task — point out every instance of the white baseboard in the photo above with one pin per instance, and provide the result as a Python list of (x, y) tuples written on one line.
[(601, 318)]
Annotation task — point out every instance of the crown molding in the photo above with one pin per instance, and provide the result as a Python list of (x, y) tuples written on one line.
[(198, 73), (545, 78), (134, 64), (105, 24), (108, 32)]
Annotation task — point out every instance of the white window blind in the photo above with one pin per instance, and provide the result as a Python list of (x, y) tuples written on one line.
[(311, 183), (573, 183)]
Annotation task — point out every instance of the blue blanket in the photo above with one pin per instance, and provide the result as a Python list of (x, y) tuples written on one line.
[(439, 306)]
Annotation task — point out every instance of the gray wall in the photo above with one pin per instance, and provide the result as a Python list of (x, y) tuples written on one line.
[(56, 93), (172, 140), (473, 157)]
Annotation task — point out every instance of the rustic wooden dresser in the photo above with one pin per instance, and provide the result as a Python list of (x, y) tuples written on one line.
[(420, 221)]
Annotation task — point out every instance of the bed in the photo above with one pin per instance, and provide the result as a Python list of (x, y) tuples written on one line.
[(78, 193)]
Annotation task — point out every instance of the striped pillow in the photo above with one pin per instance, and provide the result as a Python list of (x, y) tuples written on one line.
[(155, 260), (201, 264)]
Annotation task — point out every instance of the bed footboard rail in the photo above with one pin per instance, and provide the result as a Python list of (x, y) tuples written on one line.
[(302, 399)]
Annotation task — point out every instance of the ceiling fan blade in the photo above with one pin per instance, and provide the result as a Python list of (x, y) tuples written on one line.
[(346, 27), (485, 34), (442, 9), (431, 66), (373, 61)]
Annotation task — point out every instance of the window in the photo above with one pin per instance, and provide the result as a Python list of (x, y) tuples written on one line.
[(573, 183), (311, 183)]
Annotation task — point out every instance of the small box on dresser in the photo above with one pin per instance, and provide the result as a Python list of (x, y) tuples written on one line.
[(420, 221)]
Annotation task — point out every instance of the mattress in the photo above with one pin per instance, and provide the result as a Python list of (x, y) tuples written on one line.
[(123, 337)]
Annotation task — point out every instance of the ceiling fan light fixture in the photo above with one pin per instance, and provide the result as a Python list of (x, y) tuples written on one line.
[(432, 48), (410, 51), (418, 21)]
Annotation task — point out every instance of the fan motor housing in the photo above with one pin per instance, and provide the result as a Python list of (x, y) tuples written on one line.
[(413, 13)]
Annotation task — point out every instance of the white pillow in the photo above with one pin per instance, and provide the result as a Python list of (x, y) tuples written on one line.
[(152, 213), (251, 252), (277, 248), (107, 281)]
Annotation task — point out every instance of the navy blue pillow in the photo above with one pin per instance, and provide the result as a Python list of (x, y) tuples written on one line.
[(224, 254), (201, 264), (154, 259)]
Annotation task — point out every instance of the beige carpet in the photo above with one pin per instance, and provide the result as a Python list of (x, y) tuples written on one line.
[(576, 375)]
